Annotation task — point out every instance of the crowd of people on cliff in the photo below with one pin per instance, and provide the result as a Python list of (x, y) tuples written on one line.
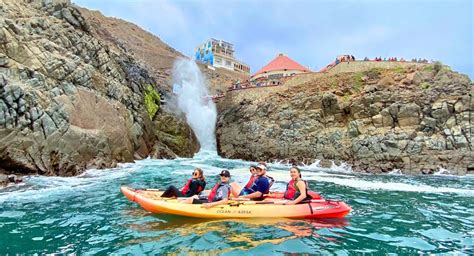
[(256, 188), (344, 58), (419, 60)]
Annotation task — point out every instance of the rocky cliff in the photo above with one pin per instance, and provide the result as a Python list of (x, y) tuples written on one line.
[(416, 118), (70, 100)]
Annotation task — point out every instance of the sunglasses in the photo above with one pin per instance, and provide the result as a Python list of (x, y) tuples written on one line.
[(195, 173)]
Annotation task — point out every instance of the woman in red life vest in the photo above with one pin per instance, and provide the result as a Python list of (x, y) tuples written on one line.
[(219, 193), (297, 189), (192, 187), (237, 189)]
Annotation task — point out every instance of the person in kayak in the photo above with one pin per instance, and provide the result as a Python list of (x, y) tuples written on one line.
[(297, 189), (252, 186), (259, 187), (238, 190), (219, 193), (271, 180), (193, 186)]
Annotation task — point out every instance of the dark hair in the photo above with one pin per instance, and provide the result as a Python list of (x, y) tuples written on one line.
[(201, 173), (253, 166), (297, 169)]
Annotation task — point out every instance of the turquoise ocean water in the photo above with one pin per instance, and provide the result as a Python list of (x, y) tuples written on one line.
[(397, 214)]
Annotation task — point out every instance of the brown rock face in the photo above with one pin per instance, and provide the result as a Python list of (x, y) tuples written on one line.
[(416, 120), (70, 100)]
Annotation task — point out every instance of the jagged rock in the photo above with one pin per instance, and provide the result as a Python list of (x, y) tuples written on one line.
[(3, 61), (376, 132), (440, 111), (57, 116), (3, 180), (386, 82), (408, 115)]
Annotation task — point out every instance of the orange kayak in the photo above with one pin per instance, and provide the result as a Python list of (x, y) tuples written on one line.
[(151, 201)]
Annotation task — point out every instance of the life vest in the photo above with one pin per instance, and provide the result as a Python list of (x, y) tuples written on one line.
[(271, 180), (292, 191), (252, 180), (212, 194), (200, 188), (185, 189)]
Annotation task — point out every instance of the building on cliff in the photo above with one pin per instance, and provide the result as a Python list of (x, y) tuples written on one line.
[(220, 54), (280, 67)]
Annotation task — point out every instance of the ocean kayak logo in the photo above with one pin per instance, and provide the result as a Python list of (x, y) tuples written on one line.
[(234, 211)]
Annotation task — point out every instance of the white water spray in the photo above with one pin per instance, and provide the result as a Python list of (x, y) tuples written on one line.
[(193, 101)]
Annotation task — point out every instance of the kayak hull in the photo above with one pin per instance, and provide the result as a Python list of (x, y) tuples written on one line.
[(151, 202)]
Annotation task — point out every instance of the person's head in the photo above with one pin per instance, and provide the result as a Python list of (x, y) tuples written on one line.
[(225, 176), (253, 169), (295, 172), (261, 170), (198, 174)]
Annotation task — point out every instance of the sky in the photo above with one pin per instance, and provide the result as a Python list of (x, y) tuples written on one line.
[(309, 31)]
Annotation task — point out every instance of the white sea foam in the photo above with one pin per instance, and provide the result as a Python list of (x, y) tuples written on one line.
[(442, 171), (395, 172), (390, 186), (193, 101)]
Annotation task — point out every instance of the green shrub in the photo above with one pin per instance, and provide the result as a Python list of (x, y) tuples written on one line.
[(373, 73), (424, 85), (357, 82), (400, 70), (428, 68), (437, 66), (152, 101)]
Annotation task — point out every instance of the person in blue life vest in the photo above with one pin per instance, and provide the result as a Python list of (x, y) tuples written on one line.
[(193, 186), (219, 193), (260, 186), (296, 190)]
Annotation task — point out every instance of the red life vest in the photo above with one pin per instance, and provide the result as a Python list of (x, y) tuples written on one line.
[(185, 189), (290, 190), (251, 181), (213, 192), (200, 189)]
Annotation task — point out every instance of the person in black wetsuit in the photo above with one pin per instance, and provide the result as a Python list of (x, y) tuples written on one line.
[(192, 187)]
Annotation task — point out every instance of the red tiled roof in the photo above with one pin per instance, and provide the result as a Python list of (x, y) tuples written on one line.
[(282, 62)]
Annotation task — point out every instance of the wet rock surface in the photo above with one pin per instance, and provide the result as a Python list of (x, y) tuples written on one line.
[(420, 123), (68, 100)]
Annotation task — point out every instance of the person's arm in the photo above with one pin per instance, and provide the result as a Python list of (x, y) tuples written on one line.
[(302, 188), (220, 202), (253, 195), (262, 187)]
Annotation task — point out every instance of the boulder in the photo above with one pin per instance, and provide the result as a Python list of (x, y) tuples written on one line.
[(409, 115)]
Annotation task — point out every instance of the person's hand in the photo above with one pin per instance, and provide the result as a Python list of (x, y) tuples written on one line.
[(206, 205)]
